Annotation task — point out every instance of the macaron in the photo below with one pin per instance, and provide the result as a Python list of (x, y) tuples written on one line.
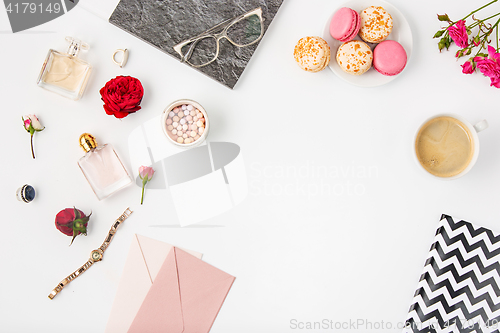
[(312, 54), (345, 24), (376, 24), (354, 57), (389, 58)]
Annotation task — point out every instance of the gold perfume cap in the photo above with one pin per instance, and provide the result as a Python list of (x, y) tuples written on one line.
[(87, 142)]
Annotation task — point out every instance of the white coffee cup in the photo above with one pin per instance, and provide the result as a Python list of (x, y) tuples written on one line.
[(473, 130)]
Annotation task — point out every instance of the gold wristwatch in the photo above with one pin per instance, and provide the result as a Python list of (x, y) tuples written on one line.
[(95, 256)]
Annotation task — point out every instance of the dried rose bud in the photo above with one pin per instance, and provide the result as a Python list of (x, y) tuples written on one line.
[(72, 222)]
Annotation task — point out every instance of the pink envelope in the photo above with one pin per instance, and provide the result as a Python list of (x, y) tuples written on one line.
[(185, 297), (144, 260)]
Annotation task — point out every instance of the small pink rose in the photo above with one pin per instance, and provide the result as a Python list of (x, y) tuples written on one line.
[(32, 125), (27, 123), (146, 174), (468, 67), (490, 66), (458, 33)]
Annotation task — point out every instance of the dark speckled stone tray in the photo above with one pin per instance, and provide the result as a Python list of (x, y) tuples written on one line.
[(165, 23)]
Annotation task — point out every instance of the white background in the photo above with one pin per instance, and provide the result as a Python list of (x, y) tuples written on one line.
[(345, 246)]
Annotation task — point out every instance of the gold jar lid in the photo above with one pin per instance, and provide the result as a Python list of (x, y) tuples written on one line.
[(87, 142)]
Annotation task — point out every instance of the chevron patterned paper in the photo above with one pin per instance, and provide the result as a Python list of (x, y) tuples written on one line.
[(459, 289)]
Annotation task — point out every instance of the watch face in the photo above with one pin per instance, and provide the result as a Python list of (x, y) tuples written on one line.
[(96, 255)]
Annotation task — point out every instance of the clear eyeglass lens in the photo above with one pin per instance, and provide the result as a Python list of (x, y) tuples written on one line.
[(245, 31), (204, 51)]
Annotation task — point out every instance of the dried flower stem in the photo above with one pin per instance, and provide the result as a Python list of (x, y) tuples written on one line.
[(479, 10), (496, 32), (32, 151)]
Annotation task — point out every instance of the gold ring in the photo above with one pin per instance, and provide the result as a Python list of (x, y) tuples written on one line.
[(124, 59)]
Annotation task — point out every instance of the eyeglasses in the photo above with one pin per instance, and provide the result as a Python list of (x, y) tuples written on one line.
[(241, 31)]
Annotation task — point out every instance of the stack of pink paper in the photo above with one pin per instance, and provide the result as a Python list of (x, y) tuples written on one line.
[(166, 289)]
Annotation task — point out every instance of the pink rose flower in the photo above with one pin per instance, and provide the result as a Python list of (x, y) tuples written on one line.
[(458, 33), (490, 66), (32, 120), (468, 67), (32, 125), (146, 174)]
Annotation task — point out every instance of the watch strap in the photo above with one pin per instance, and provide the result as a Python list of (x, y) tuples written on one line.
[(70, 278), (113, 229)]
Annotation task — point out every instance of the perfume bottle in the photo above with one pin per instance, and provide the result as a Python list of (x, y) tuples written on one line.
[(65, 73), (102, 167)]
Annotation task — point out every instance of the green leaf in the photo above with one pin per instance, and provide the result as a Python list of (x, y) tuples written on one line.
[(77, 213), (441, 45), (439, 34), (448, 41), (444, 42)]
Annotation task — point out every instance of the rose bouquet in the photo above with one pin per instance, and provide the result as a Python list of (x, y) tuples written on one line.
[(469, 38)]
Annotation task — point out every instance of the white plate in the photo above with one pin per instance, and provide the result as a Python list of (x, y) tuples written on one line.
[(401, 33)]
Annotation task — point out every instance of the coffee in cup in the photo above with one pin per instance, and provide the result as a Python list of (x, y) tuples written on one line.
[(447, 146)]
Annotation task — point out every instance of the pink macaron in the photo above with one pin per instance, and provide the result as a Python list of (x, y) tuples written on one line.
[(345, 24), (389, 58)]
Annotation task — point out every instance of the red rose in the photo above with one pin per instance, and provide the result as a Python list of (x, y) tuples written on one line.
[(122, 96), (72, 222)]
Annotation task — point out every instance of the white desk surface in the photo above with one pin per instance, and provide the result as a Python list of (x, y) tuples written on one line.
[(299, 249)]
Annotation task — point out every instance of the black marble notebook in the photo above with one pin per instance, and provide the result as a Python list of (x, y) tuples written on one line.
[(165, 23)]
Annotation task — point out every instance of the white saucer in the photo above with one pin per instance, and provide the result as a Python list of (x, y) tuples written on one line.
[(401, 33)]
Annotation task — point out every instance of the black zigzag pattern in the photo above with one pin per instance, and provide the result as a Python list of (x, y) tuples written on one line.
[(464, 264), (460, 278), (468, 247), (438, 304), (473, 231)]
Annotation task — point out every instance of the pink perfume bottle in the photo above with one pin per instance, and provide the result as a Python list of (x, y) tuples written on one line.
[(102, 167)]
